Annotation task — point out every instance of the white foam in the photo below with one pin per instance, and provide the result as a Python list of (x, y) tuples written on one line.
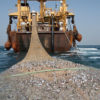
[(64, 54), (11, 49), (5, 49), (82, 51), (88, 49), (95, 53), (54, 56), (5, 53), (94, 57)]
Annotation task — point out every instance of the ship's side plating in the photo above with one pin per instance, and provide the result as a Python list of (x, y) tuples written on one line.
[(56, 29)]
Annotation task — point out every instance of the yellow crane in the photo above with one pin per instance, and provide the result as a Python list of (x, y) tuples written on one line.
[(24, 15), (53, 26)]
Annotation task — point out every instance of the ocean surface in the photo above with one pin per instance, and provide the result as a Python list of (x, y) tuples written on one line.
[(85, 54)]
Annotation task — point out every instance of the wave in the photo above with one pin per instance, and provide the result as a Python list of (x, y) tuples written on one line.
[(3, 53), (80, 52), (88, 49), (11, 49), (65, 54), (94, 57), (85, 51), (95, 53), (3, 67)]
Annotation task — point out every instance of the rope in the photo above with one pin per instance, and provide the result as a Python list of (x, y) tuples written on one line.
[(69, 24), (67, 38), (50, 70), (75, 48)]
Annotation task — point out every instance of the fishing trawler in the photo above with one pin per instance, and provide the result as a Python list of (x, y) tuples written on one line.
[(55, 25)]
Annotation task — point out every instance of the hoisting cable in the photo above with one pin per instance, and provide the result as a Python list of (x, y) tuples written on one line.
[(52, 34), (75, 48), (69, 41), (67, 35), (67, 38), (70, 28)]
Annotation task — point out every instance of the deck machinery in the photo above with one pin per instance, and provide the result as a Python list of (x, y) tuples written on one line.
[(56, 28)]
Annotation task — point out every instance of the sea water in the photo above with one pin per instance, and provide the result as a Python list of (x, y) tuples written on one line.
[(85, 54), (9, 58), (88, 55)]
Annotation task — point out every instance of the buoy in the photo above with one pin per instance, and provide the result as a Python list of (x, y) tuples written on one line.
[(15, 47), (7, 45), (79, 37)]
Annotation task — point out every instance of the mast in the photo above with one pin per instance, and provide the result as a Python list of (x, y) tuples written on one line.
[(64, 14), (42, 9), (25, 1), (19, 14)]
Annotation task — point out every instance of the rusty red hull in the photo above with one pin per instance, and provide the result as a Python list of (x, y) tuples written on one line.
[(21, 41)]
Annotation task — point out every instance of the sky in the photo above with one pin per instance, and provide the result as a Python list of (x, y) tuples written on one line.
[(87, 19)]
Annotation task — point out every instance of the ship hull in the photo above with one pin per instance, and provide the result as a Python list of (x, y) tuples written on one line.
[(21, 41)]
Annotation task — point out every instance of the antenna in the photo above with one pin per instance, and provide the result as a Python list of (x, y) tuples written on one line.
[(25, 1)]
